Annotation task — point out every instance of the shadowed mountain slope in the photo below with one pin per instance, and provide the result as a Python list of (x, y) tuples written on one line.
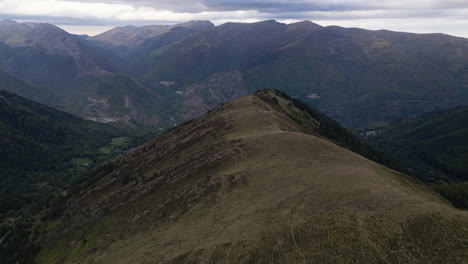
[(76, 74), (14, 85), (42, 149), (434, 145), (360, 76), (254, 181)]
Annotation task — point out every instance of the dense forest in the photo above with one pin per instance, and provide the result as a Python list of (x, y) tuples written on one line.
[(44, 149), (432, 147)]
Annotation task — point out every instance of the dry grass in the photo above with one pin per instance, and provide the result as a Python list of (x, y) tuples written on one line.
[(280, 196)]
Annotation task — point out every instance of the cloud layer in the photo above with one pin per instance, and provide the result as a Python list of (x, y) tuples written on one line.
[(94, 16)]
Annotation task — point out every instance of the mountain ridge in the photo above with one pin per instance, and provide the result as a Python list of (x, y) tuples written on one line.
[(266, 187), (132, 36), (356, 76), (53, 40)]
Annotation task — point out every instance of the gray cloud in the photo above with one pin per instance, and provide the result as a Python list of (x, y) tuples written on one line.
[(172, 5), (86, 21), (280, 6)]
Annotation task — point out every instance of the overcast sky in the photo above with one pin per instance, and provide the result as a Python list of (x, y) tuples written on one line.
[(95, 16)]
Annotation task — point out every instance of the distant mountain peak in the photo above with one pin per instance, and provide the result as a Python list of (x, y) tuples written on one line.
[(207, 22), (53, 40), (306, 24)]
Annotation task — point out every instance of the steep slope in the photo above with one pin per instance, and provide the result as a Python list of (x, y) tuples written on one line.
[(434, 145), (43, 148), (254, 181), (356, 76)]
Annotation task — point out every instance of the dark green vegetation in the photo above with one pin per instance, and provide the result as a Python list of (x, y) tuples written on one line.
[(434, 146), (260, 179), (457, 193), (14, 85), (16, 245), (44, 149)]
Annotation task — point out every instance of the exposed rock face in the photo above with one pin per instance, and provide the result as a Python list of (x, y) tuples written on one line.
[(99, 110), (144, 119), (216, 89)]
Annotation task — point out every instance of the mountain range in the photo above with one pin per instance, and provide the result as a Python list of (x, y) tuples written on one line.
[(356, 76), (131, 36)]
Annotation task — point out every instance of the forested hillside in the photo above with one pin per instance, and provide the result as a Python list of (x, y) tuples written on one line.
[(433, 145), (43, 149)]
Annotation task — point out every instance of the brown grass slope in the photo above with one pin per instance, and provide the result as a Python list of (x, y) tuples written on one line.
[(247, 184)]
